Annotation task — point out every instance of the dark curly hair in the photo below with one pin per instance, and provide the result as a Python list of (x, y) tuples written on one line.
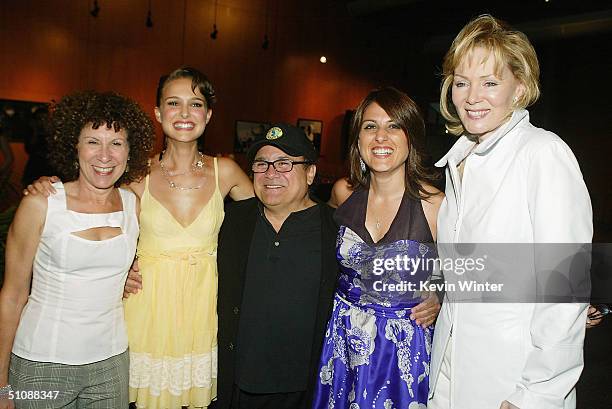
[(198, 80), (403, 110), (76, 111)]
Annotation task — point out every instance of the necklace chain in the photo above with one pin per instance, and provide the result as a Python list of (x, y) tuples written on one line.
[(196, 166)]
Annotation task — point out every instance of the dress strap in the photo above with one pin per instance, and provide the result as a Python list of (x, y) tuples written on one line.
[(57, 202), (145, 192), (128, 199), (216, 172)]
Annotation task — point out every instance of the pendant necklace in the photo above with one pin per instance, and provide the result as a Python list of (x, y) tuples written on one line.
[(196, 166)]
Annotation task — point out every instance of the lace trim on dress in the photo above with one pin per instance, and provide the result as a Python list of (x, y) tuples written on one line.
[(172, 374)]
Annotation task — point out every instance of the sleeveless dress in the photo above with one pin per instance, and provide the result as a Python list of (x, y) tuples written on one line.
[(172, 321), (373, 355)]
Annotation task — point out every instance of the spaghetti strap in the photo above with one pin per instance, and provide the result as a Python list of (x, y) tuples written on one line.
[(145, 193), (216, 172)]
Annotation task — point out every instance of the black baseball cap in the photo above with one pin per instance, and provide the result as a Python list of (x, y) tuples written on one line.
[(288, 138)]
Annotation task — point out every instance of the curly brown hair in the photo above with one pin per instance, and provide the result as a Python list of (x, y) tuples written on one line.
[(76, 111), (403, 110)]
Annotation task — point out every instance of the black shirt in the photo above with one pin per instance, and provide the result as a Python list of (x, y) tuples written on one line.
[(279, 304)]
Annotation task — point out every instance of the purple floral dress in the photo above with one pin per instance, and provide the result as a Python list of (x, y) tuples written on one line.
[(373, 355)]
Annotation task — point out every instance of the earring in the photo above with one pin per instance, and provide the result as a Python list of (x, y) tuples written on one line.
[(515, 99), (76, 165), (362, 165)]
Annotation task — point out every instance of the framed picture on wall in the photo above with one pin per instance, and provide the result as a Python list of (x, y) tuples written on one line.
[(313, 129), (19, 119), (246, 132)]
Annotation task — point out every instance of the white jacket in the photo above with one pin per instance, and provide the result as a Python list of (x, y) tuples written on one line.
[(521, 185)]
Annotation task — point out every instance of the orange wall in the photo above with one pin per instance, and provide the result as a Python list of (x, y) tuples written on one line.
[(51, 48)]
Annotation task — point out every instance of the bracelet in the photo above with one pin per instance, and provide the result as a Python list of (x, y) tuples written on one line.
[(5, 390)]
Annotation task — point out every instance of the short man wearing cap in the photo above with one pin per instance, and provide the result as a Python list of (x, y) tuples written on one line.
[(277, 272)]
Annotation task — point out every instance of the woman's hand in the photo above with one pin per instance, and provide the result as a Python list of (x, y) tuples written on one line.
[(427, 311), (42, 186), (507, 405)]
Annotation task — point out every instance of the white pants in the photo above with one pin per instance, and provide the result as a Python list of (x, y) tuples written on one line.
[(441, 398)]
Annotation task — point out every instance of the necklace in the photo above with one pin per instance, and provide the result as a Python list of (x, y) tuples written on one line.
[(196, 166), (377, 224)]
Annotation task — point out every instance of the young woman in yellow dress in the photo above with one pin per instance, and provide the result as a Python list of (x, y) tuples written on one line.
[(172, 321)]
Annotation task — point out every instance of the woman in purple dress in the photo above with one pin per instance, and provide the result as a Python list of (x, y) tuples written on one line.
[(378, 341)]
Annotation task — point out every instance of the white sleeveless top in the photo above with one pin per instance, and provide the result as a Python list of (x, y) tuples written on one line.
[(74, 314)]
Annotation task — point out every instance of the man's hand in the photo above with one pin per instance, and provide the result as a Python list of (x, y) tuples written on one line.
[(507, 405), (427, 311), (590, 323), (42, 186), (133, 284)]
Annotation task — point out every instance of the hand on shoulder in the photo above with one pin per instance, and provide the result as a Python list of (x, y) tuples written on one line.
[(41, 186)]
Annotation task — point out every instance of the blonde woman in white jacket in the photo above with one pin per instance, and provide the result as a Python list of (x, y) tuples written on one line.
[(507, 182)]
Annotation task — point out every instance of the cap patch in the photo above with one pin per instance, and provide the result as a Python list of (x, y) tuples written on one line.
[(274, 133)]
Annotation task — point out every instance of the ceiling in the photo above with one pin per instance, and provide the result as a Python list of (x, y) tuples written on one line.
[(433, 18)]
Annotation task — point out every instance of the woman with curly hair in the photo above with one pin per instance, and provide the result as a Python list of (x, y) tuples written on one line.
[(68, 338)]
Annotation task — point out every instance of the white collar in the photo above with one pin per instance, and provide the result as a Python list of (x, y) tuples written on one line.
[(464, 146)]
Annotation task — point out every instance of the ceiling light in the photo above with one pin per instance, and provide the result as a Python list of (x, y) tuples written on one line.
[(149, 22), (215, 32), (95, 10)]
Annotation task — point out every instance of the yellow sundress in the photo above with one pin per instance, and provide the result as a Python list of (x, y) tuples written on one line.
[(172, 322)]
